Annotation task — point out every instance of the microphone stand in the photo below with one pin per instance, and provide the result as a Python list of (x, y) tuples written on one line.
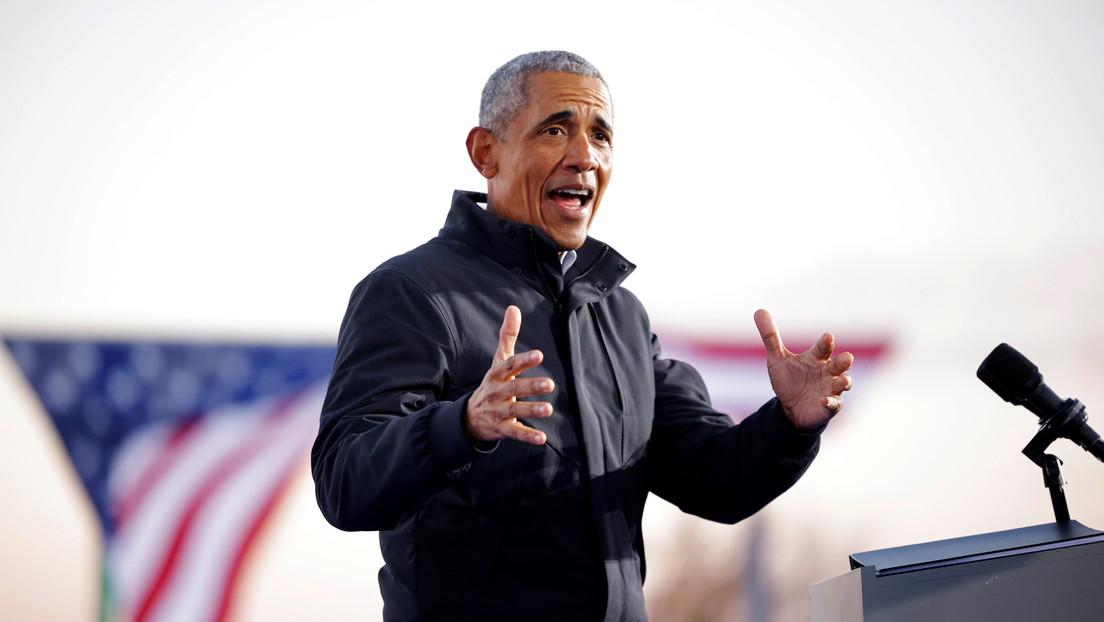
[(1072, 413), (1052, 478)]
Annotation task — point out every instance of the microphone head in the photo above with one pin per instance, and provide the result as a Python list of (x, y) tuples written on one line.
[(1009, 374)]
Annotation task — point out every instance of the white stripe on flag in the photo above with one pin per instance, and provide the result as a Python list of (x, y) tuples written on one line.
[(204, 570), (143, 539), (236, 439)]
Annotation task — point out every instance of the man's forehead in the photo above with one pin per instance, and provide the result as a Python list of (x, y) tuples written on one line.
[(556, 94)]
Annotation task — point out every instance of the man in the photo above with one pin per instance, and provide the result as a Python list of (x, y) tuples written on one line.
[(508, 479)]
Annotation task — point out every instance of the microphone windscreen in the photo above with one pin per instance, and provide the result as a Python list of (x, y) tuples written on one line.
[(1008, 373)]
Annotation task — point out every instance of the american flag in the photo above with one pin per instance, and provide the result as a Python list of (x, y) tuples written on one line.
[(184, 449)]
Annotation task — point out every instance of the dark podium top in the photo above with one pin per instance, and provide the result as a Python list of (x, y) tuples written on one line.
[(1045, 573), (976, 548)]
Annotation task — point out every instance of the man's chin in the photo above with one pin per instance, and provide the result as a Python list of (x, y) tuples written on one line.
[(569, 241)]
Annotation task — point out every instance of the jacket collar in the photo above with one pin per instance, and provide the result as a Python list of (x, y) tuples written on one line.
[(528, 252)]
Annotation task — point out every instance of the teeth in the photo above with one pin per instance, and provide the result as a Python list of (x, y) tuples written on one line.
[(581, 193)]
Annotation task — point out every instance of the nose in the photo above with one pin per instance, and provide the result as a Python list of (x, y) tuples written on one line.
[(580, 155)]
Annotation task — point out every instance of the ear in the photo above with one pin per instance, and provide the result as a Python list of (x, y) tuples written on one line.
[(481, 149)]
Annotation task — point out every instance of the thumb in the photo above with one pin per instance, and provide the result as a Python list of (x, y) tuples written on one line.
[(508, 334), (768, 331)]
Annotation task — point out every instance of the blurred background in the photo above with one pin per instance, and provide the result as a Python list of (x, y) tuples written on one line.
[(923, 179)]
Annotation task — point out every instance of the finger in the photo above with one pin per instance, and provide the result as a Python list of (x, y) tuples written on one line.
[(822, 349), (513, 366), (522, 387), (842, 383), (522, 433), (508, 334), (507, 390), (526, 410), (841, 363), (832, 402), (768, 331)]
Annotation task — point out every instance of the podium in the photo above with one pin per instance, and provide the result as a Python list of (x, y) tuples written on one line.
[(1046, 573)]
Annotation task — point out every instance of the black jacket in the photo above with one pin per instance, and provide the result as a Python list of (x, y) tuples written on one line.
[(524, 532)]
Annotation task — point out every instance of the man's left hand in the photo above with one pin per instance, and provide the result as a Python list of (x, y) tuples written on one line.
[(809, 385)]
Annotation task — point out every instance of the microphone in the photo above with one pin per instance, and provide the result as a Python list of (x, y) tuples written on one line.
[(1018, 381)]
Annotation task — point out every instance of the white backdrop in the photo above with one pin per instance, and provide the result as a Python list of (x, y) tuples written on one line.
[(931, 171)]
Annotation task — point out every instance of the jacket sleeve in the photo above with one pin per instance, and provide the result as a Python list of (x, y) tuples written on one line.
[(705, 464), (388, 439)]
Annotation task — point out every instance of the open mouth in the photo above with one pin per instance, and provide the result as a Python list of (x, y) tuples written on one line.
[(571, 198)]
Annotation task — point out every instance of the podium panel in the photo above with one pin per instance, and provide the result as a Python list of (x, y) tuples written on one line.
[(1051, 573)]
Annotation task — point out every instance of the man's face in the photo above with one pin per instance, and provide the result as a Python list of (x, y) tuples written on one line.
[(553, 166)]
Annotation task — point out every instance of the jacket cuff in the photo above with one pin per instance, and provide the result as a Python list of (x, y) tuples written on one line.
[(791, 441), (446, 435)]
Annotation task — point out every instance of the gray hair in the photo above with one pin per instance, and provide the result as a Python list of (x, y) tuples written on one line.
[(504, 93)]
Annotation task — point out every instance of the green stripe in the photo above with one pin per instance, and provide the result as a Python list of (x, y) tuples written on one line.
[(108, 610)]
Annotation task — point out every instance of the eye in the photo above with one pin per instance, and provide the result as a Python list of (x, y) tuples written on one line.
[(601, 137), (555, 131)]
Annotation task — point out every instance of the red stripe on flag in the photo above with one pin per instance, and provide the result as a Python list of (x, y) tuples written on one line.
[(151, 476), (211, 484), (229, 588), (754, 349)]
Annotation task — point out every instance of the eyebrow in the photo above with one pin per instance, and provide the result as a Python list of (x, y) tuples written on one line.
[(563, 115)]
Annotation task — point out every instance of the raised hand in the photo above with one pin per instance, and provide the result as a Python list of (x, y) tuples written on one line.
[(809, 385), (493, 410)]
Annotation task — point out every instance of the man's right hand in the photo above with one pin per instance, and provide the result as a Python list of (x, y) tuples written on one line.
[(493, 410)]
